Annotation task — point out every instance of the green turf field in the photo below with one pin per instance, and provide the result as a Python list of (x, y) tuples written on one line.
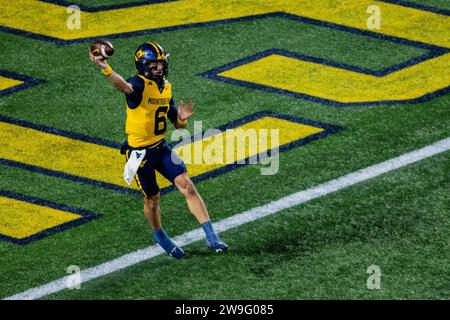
[(318, 250)]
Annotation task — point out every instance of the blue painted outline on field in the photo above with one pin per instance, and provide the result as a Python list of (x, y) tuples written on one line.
[(306, 20), (86, 216), (421, 7), (265, 53), (434, 51), (132, 4), (27, 82), (86, 8), (329, 129), (58, 41), (67, 176), (214, 75), (60, 132)]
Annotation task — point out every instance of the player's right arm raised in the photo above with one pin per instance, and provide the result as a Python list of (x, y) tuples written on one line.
[(116, 79)]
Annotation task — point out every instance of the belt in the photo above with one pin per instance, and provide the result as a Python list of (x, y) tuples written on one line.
[(126, 147)]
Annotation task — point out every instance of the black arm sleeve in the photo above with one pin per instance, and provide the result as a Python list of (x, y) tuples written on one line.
[(135, 98), (172, 114)]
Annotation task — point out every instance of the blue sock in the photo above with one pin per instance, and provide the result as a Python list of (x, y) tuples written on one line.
[(163, 239), (211, 235)]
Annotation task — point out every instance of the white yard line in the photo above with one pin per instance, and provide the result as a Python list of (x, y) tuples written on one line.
[(242, 218)]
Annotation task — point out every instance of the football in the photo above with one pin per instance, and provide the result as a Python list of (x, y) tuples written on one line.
[(103, 48)]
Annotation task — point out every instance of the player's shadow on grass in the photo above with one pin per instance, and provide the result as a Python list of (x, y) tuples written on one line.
[(202, 252), (308, 236)]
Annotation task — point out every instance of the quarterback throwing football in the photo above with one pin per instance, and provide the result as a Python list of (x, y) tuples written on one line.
[(149, 104)]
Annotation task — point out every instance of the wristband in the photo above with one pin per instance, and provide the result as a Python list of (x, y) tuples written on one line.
[(182, 122), (108, 70)]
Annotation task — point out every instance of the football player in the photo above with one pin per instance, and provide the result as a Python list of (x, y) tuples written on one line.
[(149, 104)]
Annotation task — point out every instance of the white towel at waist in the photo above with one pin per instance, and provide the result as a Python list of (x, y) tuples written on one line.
[(132, 165)]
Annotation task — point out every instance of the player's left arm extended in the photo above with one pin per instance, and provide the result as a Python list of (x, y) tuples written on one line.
[(180, 116)]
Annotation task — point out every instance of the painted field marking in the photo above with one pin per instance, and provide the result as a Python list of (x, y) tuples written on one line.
[(47, 21), (237, 220), (401, 24), (12, 82), (289, 131), (339, 84), (76, 158), (7, 83), (24, 219)]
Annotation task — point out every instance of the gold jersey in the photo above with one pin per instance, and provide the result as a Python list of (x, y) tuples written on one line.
[(146, 123)]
